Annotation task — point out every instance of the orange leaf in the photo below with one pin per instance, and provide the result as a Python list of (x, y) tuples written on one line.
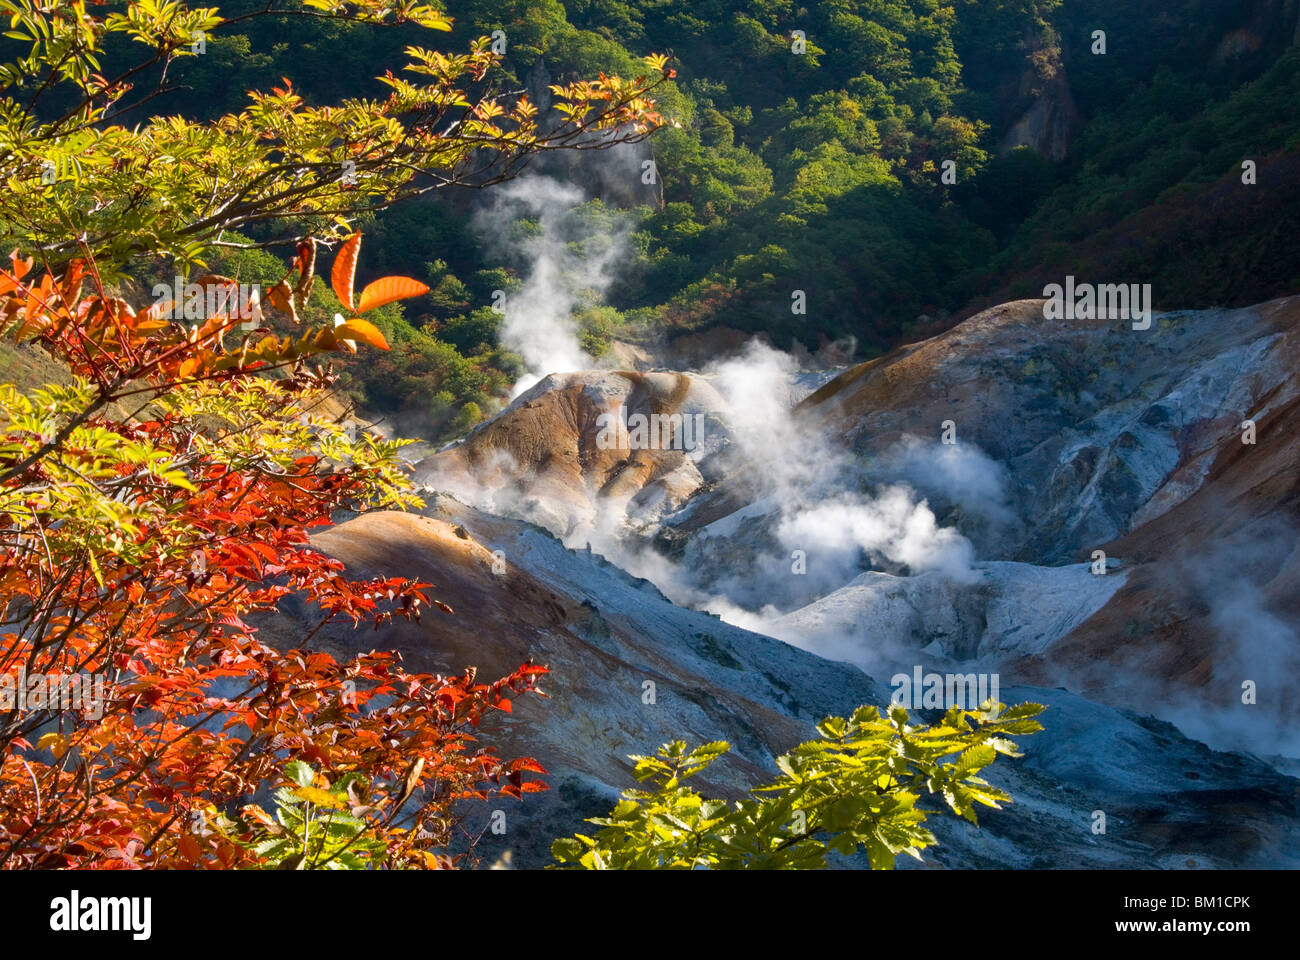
[(9, 279), (344, 273), (72, 281), (22, 265), (363, 330), (306, 261), (389, 289), (187, 848)]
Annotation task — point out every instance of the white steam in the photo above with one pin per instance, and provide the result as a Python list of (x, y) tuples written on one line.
[(892, 526), (1254, 645), (570, 264), (828, 506), (811, 502)]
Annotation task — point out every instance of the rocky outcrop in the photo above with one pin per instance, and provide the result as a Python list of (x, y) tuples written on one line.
[(544, 457), (1049, 125), (1114, 440), (1169, 801), (1101, 427)]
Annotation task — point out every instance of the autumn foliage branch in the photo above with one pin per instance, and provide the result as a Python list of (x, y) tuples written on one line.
[(156, 502), (137, 549)]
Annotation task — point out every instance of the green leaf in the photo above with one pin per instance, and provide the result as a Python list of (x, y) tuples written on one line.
[(833, 728), (973, 761), (300, 773), (858, 787), (707, 753), (1021, 710), (567, 849)]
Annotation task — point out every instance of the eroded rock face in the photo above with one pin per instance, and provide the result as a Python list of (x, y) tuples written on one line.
[(1100, 427), (1075, 437), (1048, 126), (1130, 443), (551, 458)]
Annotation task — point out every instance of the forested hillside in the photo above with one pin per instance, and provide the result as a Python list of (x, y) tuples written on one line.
[(810, 157)]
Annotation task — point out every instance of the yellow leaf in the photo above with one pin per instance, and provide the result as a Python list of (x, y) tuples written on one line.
[(322, 798), (281, 297), (56, 742)]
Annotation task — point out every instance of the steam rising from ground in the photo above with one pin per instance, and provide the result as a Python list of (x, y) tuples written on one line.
[(812, 495), (814, 506), (810, 485), (827, 504), (1253, 644), (570, 263), (811, 498)]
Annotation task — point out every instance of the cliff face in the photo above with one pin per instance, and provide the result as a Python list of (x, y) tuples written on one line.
[(1072, 436), (1049, 125), (1267, 25), (1063, 70)]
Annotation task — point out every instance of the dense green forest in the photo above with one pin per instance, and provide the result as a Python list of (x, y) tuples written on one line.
[(810, 156)]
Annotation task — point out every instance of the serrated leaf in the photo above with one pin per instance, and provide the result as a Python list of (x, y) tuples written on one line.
[(1026, 709), (973, 760), (300, 773)]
